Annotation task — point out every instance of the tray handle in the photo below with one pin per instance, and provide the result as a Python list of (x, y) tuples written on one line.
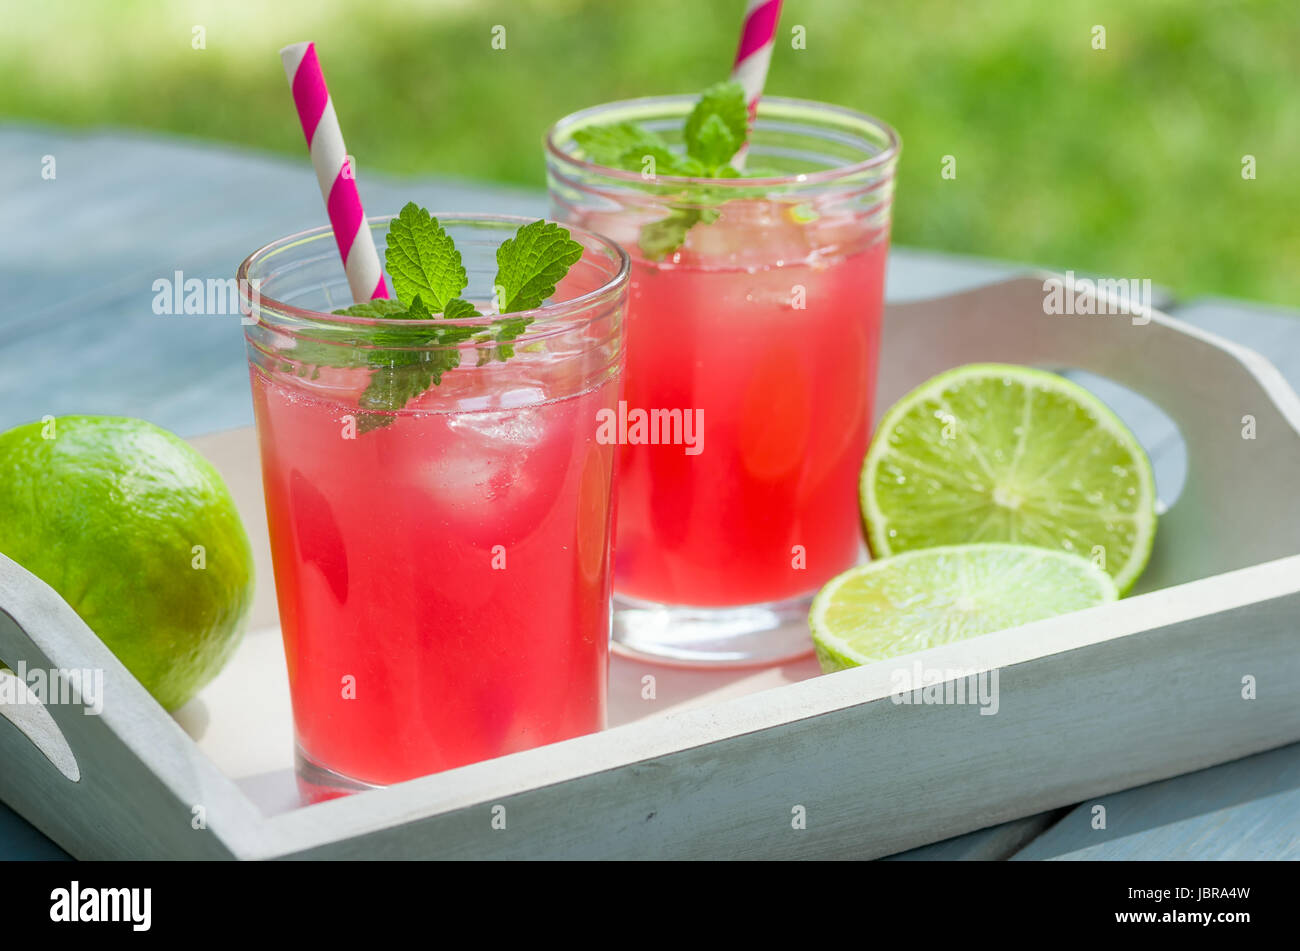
[(24, 709), (120, 781)]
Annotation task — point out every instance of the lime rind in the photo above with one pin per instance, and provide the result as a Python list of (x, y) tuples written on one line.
[(933, 596), (139, 534), (1117, 509)]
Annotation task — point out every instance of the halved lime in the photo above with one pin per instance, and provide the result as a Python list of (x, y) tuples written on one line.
[(939, 595), (998, 453)]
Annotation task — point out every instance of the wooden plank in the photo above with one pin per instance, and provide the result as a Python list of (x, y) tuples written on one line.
[(21, 842), (1249, 809), (985, 845)]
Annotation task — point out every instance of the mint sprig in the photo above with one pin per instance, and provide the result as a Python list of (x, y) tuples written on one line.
[(715, 131), (428, 276)]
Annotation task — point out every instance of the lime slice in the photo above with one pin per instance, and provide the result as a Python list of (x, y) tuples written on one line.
[(940, 595), (998, 453)]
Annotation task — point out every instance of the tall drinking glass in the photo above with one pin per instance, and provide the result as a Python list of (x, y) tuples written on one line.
[(753, 330), (442, 570)]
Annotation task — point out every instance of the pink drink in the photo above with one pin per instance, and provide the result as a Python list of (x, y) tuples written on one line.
[(785, 392), (755, 307), (443, 580), (384, 551)]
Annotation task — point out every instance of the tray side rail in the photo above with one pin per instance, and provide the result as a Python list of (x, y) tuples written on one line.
[(1087, 704)]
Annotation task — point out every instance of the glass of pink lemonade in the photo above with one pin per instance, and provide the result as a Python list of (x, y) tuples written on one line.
[(443, 570), (753, 330)]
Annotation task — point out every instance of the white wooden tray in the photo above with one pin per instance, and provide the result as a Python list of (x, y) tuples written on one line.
[(725, 764)]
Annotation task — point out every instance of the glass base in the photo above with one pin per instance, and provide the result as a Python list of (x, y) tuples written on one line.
[(317, 783), (756, 635)]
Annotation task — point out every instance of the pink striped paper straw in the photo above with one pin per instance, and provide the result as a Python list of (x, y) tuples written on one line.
[(338, 186), (753, 56)]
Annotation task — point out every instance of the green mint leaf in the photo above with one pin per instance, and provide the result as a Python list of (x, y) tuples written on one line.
[(378, 307), (417, 311), (507, 331), (689, 167), (390, 389), (670, 163), (327, 348), (618, 144), (422, 259), (666, 161), (350, 347), (401, 375), (458, 309), (368, 421), (714, 144), (719, 121), (503, 334), (530, 264), (660, 238)]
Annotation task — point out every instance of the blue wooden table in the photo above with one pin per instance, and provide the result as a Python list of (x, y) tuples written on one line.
[(80, 252)]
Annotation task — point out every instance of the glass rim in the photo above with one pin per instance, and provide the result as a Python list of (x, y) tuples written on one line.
[(541, 316), (823, 176)]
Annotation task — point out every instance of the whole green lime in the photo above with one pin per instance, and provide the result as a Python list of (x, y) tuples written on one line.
[(139, 534)]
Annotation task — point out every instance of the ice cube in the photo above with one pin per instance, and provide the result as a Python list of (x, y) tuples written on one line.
[(750, 234)]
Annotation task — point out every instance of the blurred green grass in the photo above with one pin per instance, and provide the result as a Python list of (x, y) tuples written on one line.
[(1125, 160)]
